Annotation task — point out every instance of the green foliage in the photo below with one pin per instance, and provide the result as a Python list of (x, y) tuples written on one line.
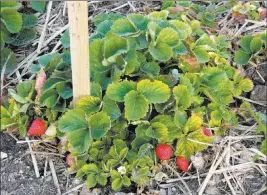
[(250, 46), (154, 79), (38, 6), (16, 30)]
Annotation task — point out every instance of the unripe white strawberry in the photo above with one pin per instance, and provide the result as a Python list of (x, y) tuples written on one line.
[(40, 80)]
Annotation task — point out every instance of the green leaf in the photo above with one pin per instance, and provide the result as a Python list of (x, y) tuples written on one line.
[(7, 122), (168, 36), (90, 168), (79, 141), (49, 98), (152, 69), (38, 6), (126, 181), (116, 151), (123, 27), (10, 4), (96, 89), (12, 20), (4, 112), (138, 20), (146, 150), (91, 180), (158, 131), (183, 29), (167, 4), (25, 36), (246, 85), (25, 89), (65, 39), (99, 124), (182, 97), (201, 54), (155, 92), (255, 45), (64, 89), (161, 51), (161, 15), (72, 121), (104, 27), (96, 50), (116, 91), (17, 97), (241, 57), (51, 83), (116, 184), (180, 118), (29, 20), (245, 43), (102, 179), (136, 106), (8, 58), (115, 174), (114, 46), (46, 59), (180, 49), (89, 104), (111, 108)]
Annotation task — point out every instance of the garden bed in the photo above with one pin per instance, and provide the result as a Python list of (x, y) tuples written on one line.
[(234, 163)]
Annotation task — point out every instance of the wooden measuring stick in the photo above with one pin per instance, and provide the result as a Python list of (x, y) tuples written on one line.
[(79, 48)]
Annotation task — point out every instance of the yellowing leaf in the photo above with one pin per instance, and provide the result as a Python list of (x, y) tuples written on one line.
[(89, 104), (158, 131), (193, 123), (158, 15), (184, 148), (246, 85), (123, 27), (169, 36), (136, 106), (155, 92), (182, 97)]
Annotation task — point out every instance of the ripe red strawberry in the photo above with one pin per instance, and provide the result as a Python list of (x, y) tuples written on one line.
[(37, 128), (206, 132), (182, 163), (164, 151)]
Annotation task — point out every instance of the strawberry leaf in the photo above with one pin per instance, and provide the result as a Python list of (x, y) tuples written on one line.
[(155, 92), (89, 104), (99, 124), (136, 106), (117, 91), (72, 121)]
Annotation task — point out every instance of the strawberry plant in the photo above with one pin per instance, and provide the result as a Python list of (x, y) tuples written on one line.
[(158, 88), (16, 30)]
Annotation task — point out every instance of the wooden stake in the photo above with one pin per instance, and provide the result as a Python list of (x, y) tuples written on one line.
[(78, 25)]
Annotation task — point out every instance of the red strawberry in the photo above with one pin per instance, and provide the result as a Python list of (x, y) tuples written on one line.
[(164, 151), (182, 163), (206, 132), (37, 128)]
